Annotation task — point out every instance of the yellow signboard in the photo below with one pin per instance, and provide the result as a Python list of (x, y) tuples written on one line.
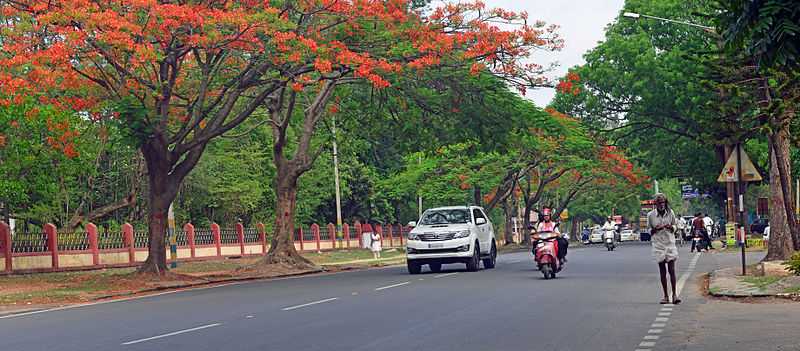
[(564, 214), (730, 174)]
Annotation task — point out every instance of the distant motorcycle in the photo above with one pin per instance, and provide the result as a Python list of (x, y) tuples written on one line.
[(608, 238), (545, 254)]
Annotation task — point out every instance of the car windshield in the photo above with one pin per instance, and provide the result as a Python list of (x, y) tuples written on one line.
[(445, 217)]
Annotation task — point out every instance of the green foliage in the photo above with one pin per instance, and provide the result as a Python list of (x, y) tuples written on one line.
[(768, 30), (793, 264)]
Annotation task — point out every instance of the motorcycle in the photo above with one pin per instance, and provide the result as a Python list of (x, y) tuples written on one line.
[(545, 254), (610, 244), (609, 240)]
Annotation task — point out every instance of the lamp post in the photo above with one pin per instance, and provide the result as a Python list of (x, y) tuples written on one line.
[(734, 189), (339, 234), (635, 15)]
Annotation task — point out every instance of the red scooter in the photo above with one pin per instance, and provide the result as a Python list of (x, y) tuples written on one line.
[(545, 254)]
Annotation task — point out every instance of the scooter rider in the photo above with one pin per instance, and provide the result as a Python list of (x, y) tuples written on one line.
[(547, 225), (608, 229)]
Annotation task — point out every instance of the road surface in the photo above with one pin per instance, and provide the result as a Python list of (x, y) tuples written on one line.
[(602, 301)]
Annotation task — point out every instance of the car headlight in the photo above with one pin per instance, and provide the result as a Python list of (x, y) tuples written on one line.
[(462, 234), (413, 236)]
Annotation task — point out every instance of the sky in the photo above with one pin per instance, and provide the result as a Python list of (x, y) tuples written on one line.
[(582, 24)]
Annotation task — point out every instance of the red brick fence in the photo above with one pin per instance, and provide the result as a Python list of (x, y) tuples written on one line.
[(53, 250)]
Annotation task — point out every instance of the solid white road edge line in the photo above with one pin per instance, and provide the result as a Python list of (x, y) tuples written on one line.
[(172, 334), (391, 286), (308, 304), (688, 273)]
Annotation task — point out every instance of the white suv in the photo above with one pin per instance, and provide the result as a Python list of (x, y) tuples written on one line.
[(459, 234)]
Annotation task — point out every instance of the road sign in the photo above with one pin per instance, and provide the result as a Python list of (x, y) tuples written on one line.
[(689, 192), (564, 214), (729, 172)]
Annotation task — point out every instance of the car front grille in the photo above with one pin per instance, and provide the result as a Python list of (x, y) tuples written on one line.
[(436, 236)]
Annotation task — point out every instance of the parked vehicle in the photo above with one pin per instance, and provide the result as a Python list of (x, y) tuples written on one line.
[(458, 234), (545, 254), (597, 236), (758, 225), (627, 235)]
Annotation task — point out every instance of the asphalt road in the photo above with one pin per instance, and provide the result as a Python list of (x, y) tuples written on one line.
[(601, 301)]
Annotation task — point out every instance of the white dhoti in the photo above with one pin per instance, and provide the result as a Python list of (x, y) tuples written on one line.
[(664, 248)]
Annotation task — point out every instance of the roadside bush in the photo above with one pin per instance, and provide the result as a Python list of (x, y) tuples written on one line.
[(793, 264)]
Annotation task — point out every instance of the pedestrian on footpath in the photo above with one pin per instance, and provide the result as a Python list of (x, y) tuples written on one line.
[(662, 223), (375, 245)]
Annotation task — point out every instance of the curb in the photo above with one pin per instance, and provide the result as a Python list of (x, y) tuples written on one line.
[(732, 295)]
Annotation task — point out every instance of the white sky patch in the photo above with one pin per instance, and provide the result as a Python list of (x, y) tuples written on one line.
[(582, 23)]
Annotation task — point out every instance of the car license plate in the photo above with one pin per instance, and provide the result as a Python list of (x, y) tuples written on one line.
[(435, 246)]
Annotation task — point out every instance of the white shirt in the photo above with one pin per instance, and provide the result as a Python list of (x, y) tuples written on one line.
[(608, 230), (766, 233), (707, 221)]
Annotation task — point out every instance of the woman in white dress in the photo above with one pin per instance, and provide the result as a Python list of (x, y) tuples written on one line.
[(375, 245), (662, 223)]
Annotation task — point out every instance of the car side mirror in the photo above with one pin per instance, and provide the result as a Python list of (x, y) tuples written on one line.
[(480, 221), (412, 224)]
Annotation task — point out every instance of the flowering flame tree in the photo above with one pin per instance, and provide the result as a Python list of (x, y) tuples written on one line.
[(179, 73)]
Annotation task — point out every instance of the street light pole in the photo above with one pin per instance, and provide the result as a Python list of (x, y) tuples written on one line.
[(336, 182), (637, 15)]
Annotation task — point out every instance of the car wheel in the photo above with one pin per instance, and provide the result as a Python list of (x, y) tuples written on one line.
[(474, 261), (414, 267), (435, 267), (490, 262)]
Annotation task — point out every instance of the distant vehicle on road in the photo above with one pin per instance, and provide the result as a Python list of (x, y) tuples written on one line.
[(458, 234), (627, 235), (597, 236), (759, 225)]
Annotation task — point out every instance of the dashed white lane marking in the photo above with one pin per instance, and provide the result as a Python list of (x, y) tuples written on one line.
[(248, 317), (391, 286), (309, 304), (172, 334), (445, 275), (666, 310)]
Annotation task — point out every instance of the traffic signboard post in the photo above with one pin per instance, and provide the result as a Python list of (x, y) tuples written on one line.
[(739, 169)]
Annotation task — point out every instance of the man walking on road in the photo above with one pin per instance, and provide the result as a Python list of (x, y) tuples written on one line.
[(662, 224)]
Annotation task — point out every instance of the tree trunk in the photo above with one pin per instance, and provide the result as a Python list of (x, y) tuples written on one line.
[(780, 243), (282, 249), (161, 192), (477, 197), (163, 182), (573, 234), (526, 220), (785, 179), (509, 218), (783, 233)]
